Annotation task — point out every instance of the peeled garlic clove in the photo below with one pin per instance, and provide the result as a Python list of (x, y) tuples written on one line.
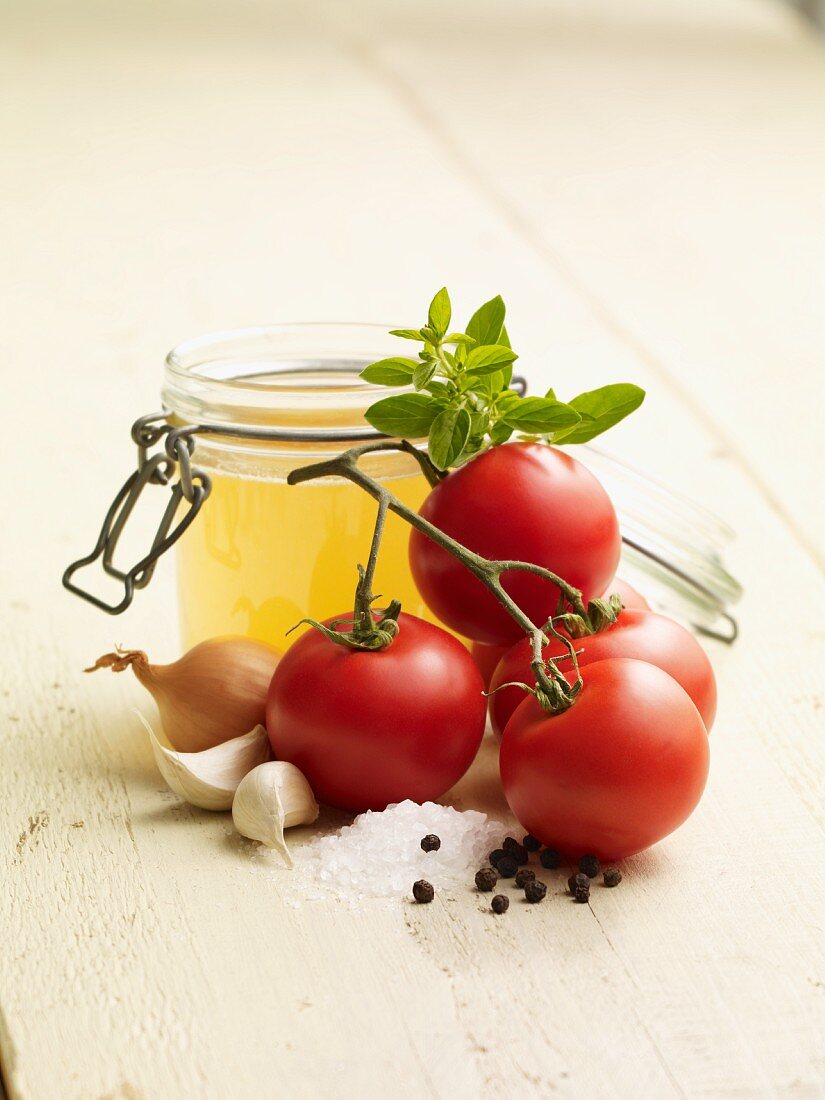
[(271, 798), (210, 778)]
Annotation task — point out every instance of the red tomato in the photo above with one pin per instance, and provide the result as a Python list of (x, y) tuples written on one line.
[(522, 501), (619, 770), (631, 599), (487, 657), (642, 635), (371, 728)]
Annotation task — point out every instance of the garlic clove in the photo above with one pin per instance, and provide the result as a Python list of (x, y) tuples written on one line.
[(209, 779), (271, 798)]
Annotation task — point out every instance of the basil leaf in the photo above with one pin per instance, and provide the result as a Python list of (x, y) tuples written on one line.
[(486, 323), (478, 424), (489, 358), (423, 373), (406, 415), (507, 373), (440, 389), (600, 409), (471, 448), (407, 333), (448, 435), (538, 415), (458, 338), (506, 400), (488, 384), (440, 312), (501, 432), (504, 378), (390, 372)]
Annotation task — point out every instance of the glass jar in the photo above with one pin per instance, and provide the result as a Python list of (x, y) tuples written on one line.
[(243, 409), (672, 548), (263, 554)]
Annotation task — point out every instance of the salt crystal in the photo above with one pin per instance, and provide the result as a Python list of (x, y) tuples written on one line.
[(379, 855)]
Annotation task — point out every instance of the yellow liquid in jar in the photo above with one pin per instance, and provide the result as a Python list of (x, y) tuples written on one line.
[(262, 555)]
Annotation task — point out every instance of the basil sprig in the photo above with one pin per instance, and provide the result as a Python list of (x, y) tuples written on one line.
[(461, 398)]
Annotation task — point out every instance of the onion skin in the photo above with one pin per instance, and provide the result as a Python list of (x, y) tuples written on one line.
[(213, 693)]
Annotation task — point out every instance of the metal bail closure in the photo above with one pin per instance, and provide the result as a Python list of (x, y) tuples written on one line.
[(193, 486)]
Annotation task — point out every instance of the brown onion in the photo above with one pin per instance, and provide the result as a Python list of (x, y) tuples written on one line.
[(215, 692)]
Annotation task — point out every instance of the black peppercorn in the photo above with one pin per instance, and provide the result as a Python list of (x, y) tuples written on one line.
[(612, 876), (550, 858), (516, 851), (486, 879), (590, 866), (500, 903), (534, 891), (423, 891), (531, 843), (495, 856), (507, 866), (578, 882), (523, 876), (430, 842), (582, 894)]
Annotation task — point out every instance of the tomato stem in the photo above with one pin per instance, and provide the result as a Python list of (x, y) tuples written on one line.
[(428, 468), (364, 620)]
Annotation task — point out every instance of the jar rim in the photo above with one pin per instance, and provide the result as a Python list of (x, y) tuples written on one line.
[(176, 358), (278, 376)]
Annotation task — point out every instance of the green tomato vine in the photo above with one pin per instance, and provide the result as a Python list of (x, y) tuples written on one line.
[(367, 630), (461, 401)]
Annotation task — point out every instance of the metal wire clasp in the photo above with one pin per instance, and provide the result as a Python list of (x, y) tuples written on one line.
[(192, 486)]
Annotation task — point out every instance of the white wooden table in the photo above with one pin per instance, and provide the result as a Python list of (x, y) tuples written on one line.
[(644, 184)]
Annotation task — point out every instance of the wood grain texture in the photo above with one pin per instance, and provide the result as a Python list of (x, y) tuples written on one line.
[(178, 168), (678, 149)]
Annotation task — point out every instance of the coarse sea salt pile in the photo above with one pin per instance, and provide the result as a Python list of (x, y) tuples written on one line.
[(380, 854)]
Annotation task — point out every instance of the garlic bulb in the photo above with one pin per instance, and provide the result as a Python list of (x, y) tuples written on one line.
[(271, 798), (209, 779), (215, 692)]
